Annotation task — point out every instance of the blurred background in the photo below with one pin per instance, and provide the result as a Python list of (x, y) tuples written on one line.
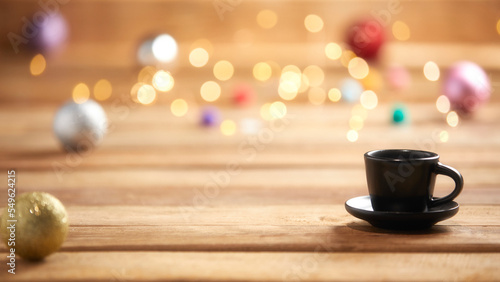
[(102, 40)]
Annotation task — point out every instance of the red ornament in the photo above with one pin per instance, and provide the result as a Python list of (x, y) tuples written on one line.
[(243, 95), (365, 38)]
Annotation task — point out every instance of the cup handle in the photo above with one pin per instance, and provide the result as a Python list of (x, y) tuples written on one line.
[(456, 176)]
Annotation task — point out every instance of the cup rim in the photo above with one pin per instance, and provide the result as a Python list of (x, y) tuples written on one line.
[(372, 155)]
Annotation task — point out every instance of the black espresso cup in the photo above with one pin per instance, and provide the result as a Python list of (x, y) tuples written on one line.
[(403, 180)]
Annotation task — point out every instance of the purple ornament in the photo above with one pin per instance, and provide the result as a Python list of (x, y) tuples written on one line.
[(467, 87), (52, 33), (210, 116)]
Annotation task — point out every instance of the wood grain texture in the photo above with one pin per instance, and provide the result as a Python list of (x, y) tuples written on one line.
[(162, 199), (238, 266)]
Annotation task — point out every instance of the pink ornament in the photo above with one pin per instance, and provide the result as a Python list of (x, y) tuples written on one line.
[(467, 87), (398, 77)]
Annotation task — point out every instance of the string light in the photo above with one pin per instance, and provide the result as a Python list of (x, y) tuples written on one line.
[(163, 81), (333, 51), (179, 107), (452, 119), (223, 70), (369, 100), (102, 90), (210, 91), (443, 104), (313, 23), (198, 57), (267, 19), (146, 94), (81, 93), (358, 68), (334, 95), (401, 31), (38, 65), (431, 71), (262, 71), (228, 127)]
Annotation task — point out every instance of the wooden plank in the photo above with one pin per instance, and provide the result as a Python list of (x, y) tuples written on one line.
[(261, 266), (269, 228)]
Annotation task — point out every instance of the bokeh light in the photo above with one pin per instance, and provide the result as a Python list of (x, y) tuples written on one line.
[(223, 70), (146, 74), (134, 90), (291, 68), (358, 68), (262, 71), (304, 83), (179, 107), (346, 57), (316, 96), (290, 82), (204, 44), (333, 51), (102, 90), (198, 57), (313, 23), (498, 26), (265, 112), (373, 81), (431, 71), (401, 31), (352, 135), (360, 111), (356, 123), (277, 110), (267, 19), (210, 91), (369, 100), (228, 127), (38, 65), (163, 81), (452, 119), (81, 93), (164, 48), (443, 104), (146, 94), (314, 74), (444, 136), (334, 95)]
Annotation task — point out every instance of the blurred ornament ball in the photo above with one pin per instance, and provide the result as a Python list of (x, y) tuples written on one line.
[(41, 227), (351, 90), (161, 49), (467, 87), (399, 114), (365, 38), (80, 127), (398, 77), (210, 116), (51, 31), (243, 95)]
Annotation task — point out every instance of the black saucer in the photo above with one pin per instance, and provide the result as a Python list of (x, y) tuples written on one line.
[(361, 207)]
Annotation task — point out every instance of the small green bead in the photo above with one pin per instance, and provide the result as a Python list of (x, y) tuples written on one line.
[(399, 115)]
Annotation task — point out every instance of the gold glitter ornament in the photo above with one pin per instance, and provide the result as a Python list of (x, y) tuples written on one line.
[(41, 227)]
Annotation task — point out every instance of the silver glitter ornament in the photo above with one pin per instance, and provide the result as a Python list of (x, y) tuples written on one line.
[(80, 127)]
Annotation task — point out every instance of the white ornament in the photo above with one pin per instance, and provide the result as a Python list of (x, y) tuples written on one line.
[(80, 127)]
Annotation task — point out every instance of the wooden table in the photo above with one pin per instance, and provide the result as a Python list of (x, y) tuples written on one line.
[(163, 199)]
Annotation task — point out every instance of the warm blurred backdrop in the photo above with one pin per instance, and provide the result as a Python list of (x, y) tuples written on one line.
[(104, 37)]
